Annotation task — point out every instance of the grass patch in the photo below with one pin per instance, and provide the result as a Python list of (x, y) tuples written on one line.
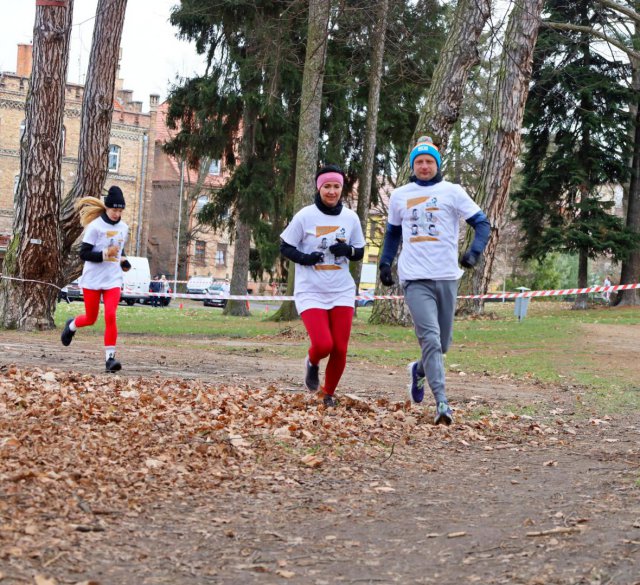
[(612, 399)]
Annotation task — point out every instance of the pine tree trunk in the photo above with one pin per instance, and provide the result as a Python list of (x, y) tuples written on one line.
[(242, 247), (377, 36), (630, 271), (95, 125), (309, 129), (242, 240), (34, 251), (438, 116), (459, 55), (583, 276), (503, 141)]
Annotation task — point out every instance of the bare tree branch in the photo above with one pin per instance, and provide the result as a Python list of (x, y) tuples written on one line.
[(632, 14), (593, 32)]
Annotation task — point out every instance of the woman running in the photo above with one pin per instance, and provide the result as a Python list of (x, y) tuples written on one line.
[(102, 251), (322, 238)]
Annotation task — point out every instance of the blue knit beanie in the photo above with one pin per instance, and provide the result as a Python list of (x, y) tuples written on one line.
[(424, 146)]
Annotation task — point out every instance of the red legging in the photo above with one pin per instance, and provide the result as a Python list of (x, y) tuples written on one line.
[(329, 333), (111, 299)]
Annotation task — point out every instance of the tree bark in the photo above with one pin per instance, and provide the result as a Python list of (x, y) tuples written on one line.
[(438, 116), (459, 55), (583, 278), (309, 129), (630, 270), (378, 34), (504, 136), (34, 251), (242, 247), (95, 125)]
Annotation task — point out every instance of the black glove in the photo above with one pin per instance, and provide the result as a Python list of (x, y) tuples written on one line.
[(385, 275), (469, 259), (311, 259), (341, 249), (125, 265)]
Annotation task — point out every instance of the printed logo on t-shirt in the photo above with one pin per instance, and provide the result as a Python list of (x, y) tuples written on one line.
[(423, 218), (329, 235), (114, 240)]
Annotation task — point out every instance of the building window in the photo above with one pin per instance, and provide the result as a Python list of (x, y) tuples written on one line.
[(114, 158), (214, 167), (16, 180), (202, 201), (201, 252), (23, 127), (64, 139), (221, 255)]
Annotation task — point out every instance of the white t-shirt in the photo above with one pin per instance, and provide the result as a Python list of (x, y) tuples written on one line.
[(329, 283), (108, 273), (430, 219)]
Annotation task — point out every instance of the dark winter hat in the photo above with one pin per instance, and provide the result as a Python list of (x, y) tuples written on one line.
[(114, 198), (424, 146), (329, 173)]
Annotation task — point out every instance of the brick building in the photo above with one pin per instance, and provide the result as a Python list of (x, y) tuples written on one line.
[(208, 253), (131, 149)]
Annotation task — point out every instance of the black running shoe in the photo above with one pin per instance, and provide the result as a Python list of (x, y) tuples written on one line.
[(311, 378), (67, 335), (329, 401), (113, 365)]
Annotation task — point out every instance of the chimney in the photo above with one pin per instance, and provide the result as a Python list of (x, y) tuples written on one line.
[(25, 59)]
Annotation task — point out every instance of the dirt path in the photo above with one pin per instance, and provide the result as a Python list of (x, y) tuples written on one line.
[(257, 362), (554, 501)]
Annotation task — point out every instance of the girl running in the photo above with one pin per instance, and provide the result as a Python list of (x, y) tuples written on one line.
[(322, 239), (102, 251)]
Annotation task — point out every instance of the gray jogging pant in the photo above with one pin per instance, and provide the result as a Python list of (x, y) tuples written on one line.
[(432, 304)]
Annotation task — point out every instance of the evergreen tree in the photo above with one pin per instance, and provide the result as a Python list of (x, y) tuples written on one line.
[(415, 33), (256, 52), (577, 140), (244, 110)]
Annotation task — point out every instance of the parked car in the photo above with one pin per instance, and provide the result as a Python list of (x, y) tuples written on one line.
[(216, 290), (71, 292), (364, 302), (135, 288), (199, 285), (366, 292)]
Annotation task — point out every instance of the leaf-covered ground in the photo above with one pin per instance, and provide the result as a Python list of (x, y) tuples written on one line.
[(226, 472)]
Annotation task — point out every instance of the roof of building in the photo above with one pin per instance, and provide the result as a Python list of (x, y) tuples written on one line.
[(163, 135)]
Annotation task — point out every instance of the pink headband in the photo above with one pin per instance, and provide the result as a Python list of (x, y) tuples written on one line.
[(329, 177)]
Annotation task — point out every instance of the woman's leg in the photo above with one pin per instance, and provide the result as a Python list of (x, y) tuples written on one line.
[(111, 299), (340, 320), (91, 308), (316, 322)]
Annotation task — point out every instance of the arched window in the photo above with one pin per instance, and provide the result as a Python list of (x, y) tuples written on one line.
[(114, 158)]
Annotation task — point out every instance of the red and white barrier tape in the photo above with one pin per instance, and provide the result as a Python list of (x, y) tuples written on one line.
[(554, 293), (372, 297)]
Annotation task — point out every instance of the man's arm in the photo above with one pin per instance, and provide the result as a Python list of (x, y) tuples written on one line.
[(480, 223), (392, 239)]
